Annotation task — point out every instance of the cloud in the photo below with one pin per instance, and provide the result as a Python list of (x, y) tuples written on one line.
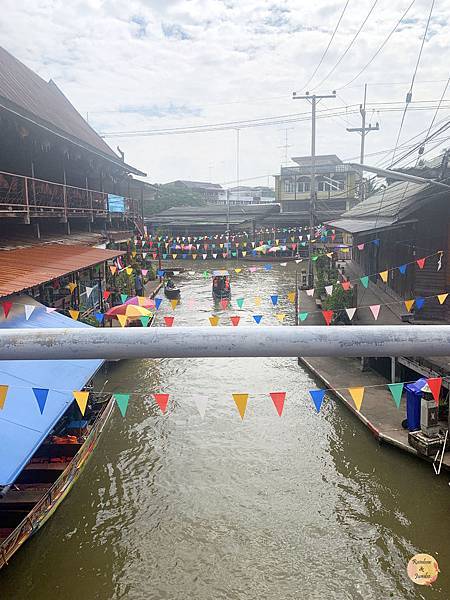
[(169, 63)]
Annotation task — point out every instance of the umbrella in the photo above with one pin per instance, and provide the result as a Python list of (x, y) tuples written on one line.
[(129, 310), (141, 301)]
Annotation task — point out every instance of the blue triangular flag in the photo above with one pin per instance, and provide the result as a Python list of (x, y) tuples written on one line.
[(258, 318), (376, 242), (41, 397), (402, 269), (419, 303), (160, 273), (317, 397), (267, 267), (158, 302), (274, 299), (99, 316)]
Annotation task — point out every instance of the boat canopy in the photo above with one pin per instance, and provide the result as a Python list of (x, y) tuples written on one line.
[(221, 273), (22, 427)]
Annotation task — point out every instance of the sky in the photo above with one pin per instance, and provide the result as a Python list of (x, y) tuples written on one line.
[(158, 64)]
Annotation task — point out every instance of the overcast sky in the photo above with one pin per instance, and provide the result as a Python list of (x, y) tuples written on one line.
[(151, 64)]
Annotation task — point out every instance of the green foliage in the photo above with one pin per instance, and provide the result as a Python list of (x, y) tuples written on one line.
[(338, 300), (90, 320), (168, 195)]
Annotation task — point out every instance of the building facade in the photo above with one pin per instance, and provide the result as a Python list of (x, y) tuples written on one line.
[(209, 192)]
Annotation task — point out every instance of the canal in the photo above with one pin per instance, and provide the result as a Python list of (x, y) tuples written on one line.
[(174, 506)]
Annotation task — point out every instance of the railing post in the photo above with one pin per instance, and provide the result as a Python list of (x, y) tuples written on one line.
[(27, 201)]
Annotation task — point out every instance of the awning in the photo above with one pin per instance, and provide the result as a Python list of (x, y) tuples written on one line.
[(24, 268), (22, 427)]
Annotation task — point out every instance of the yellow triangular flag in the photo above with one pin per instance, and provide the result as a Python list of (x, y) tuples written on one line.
[(174, 256), (244, 253), (174, 303), (194, 257), (408, 304), (384, 276), (81, 399), (214, 320), (133, 254), (280, 317), (357, 393), (257, 301), (291, 297), (3, 392), (74, 314), (241, 403), (442, 298), (237, 270), (129, 270), (122, 320), (71, 286), (113, 269)]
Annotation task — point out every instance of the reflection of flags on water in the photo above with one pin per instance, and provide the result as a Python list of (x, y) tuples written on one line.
[(119, 263)]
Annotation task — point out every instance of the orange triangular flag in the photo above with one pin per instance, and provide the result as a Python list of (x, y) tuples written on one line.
[(162, 401), (74, 314), (384, 276), (113, 269), (3, 392), (174, 303), (278, 399), (81, 399), (281, 317), (71, 286), (214, 320), (327, 315), (442, 298), (357, 393), (435, 384), (122, 320), (241, 403), (408, 305)]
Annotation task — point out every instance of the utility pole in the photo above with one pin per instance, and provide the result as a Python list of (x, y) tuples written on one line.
[(314, 99), (228, 224), (362, 131)]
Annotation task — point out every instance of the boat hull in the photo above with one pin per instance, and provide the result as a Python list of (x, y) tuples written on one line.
[(173, 294)]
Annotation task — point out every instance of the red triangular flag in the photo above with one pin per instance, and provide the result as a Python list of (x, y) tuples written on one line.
[(169, 321), (434, 384), (162, 401), (327, 315), (420, 262), (278, 399), (106, 295), (224, 303), (345, 285), (7, 307), (235, 320)]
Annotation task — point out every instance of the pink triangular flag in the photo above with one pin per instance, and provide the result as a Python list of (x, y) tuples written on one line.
[(421, 262), (375, 310)]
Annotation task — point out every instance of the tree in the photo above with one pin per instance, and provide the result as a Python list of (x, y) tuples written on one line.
[(168, 195)]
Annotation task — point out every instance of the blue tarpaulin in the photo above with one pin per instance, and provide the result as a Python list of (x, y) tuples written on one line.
[(116, 203), (22, 427)]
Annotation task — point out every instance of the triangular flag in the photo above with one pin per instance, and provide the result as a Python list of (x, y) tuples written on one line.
[(29, 308), (74, 314), (214, 320), (174, 303), (257, 301), (129, 270), (206, 274), (317, 397), (345, 285), (144, 321), (81, 399), (442, 298), (3, 393), (329, 289), (144, 272), (327, 315), (357, 393), (419, 303), (350, 312), (409, 304), (274, 299), (240, 302), (162, 401), (241, 403), (421, 262), (280, 317), (360, 246), (291, 297), (278, 399), (235, 321), (402, 269), (365, 281), (169, 321), (99, 316), (123, 298), (396, 390), (71, 286), (375, 310), (41, 397), (49, 309), (257, 318), (384, 275), (106, 295), (237, 270), (113, 269), (303, 316), (201, 402), (224, 303), (310, 292), (122, 320), (89, 291), (158, 302), (435, 384), (284, 264), (6, 308), (122, 402)]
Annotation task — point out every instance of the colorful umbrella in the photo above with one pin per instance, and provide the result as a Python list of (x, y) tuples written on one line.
[(129, 310), (141, 301)]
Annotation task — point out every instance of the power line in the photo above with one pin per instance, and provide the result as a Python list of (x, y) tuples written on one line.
[(348, 47), (327, 48)]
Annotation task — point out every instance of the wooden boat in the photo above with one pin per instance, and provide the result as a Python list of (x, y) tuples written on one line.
[(221, 287), (48, 477), (171, 291)]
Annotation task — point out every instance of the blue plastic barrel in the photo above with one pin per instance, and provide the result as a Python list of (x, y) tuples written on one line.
[(413, 398)]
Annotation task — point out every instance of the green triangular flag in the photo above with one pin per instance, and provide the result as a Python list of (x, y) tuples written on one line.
[(144, 321), (302, 315), (396, 390), (123, 298), (122, 402), (240, 302), (314, 257), (365, 281), (205, 274)]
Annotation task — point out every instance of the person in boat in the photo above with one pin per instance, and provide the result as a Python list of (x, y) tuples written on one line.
[(221, 284), (170, 284)]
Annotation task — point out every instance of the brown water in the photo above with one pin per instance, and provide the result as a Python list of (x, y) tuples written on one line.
[(305, 506)]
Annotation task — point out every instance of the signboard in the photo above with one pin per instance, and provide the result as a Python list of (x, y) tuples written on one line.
[(116, 204)]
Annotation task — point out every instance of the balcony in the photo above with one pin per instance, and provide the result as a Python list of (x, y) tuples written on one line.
[(28, 197)]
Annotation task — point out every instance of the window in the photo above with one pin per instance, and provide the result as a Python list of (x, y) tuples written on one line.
[(288, 186), (303, 185)]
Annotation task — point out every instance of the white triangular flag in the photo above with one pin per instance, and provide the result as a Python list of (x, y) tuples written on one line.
[(350, 312), (329, 289), (201, 402), (29, 308), (89, 291), (49, 309), (191, 272), (310, 292), (298, 260), (144, 254), (283, 264)]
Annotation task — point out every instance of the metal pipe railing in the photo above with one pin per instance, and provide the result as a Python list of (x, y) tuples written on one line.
[(184, 342)]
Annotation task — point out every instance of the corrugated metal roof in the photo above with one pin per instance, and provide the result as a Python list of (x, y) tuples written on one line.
[(24, 268)]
